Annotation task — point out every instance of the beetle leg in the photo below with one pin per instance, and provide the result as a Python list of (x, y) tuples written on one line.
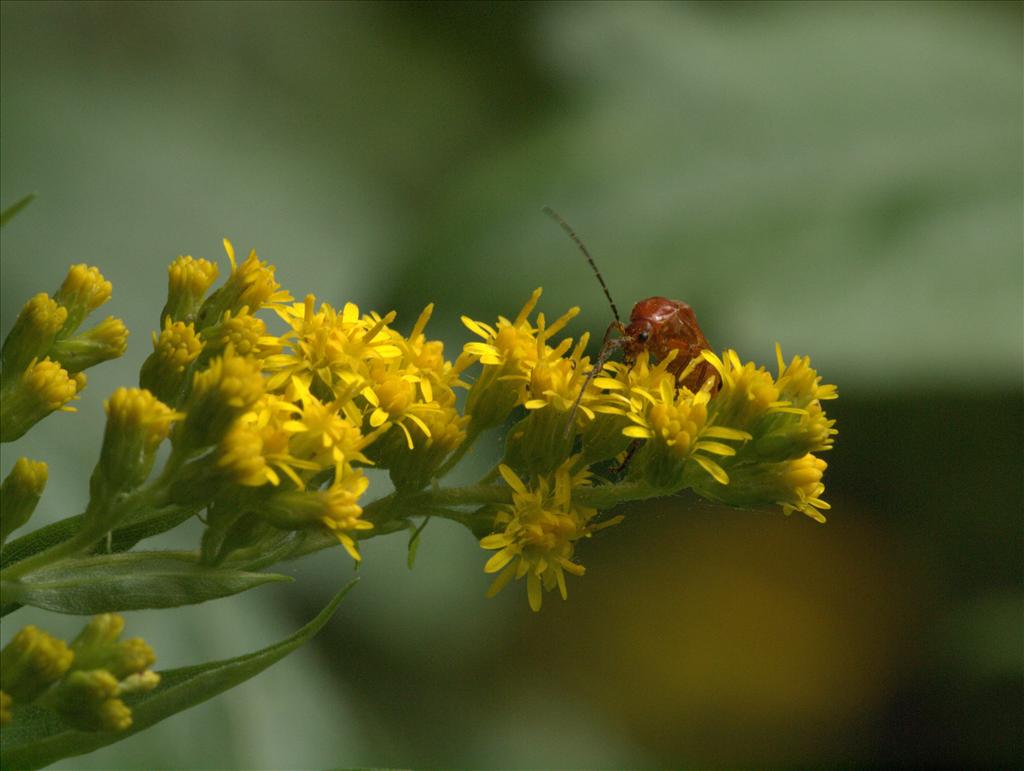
[(630, 452)]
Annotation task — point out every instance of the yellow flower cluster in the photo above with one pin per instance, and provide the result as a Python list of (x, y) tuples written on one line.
[(744, 438), (44, 355), (83, 682), (295, 418), (272, 433)]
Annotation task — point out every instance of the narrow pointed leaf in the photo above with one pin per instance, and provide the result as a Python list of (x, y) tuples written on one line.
[(7, 214), (121, 540), (35, 738), (106, 583)]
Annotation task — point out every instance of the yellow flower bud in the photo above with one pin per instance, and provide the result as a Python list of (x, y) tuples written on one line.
[(337, 508), (137, 422), (250, 284), (243, 332), (87, 700), (227, 388), (187, 283), (107, 340), (20, 493), (31, 662), (83, 291), (43, 387), (165, 371), (33, 333)]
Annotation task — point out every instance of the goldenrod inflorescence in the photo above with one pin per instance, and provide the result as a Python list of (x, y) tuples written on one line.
[(272, 426)]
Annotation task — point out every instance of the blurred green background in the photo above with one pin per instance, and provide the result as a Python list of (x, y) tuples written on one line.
[(842, 178)]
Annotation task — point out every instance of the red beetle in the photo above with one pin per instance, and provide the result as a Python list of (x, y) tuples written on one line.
[(656, 325), (659, 326)]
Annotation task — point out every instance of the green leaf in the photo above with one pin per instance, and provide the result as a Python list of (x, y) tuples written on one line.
[(7, 214), (35, 738), (105, 583), (122, 539)]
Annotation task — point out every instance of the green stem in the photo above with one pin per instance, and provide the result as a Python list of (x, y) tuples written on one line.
[(130, 512), (81, 541), (463, 496), (605, 497)]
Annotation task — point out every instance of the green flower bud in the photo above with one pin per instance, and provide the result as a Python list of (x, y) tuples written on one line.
[(20, 493), (337, 508), (412, 468), (137, 422), (540, 442), (87, 700), (107, 340), (98, 646), (490, 399), (603, 437), (795, 485)]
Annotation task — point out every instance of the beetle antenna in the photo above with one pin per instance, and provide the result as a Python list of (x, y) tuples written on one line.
[(572, 234), (603, 355)]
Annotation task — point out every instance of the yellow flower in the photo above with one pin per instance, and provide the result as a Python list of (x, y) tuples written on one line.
[(412, 468), (539, 533), (259, 441), (177, 346), (395, 398), (341, 510), (675, 423), (512, 345), (799, 382), (256, 286), (426, 358), (191, 276), (556, 379), (329, 347), (783, 416), (324, 433), (509, 352), (802, 481), (135, 411), (251, 284), (51, 385), (107, 340), (246, 333), (631, 385)]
